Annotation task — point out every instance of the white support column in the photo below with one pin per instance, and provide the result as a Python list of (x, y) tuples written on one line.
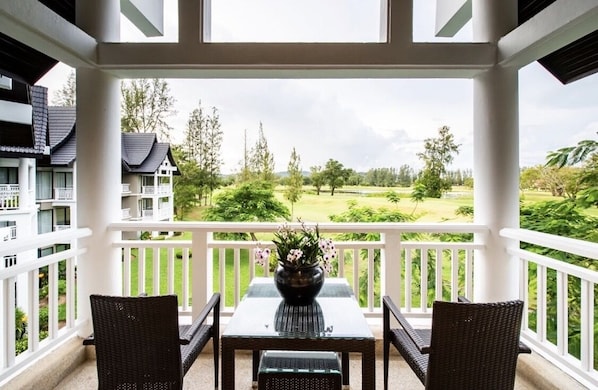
[(496, 157), (98, 161)]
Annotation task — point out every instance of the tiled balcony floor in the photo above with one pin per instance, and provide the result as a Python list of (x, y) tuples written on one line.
[(201, 375)]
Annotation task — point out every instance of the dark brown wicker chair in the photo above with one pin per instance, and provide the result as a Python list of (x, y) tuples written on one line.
[(140, 345), (470, 345)]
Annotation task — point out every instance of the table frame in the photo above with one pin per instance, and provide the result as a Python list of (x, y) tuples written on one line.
[(365, 346)]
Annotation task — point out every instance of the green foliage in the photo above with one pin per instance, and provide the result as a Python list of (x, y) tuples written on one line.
[(393, 197), (295, 180), (20, 324), (585, 152), (145, 105), (317, 178), (249, 202), (67, 95), (465, 210), (261, 160), (334, 175), (438, 153)]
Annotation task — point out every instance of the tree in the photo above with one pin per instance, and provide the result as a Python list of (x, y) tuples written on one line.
[(145, 106), (418, 195), (67, 95), (203, 141), (586, 153), (249, 202), (437, 155), (245, 174), (186, 186), (334, 175), (295, 181), (393, 197), (317, 178), (261, 161)]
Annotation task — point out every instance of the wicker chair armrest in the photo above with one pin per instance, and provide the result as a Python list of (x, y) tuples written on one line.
[(212, 305), (412, 333), (90, 340), (462, 299)]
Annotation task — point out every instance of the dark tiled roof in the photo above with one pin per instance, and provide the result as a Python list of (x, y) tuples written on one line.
[(21, 62), (63, 141), (29, 141), (136, 147), (572, 62)]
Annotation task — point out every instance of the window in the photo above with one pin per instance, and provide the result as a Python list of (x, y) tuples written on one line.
[(43, 187), (44, 221), (9, 175)]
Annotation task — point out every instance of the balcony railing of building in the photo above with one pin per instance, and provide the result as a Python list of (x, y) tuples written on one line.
[(66, 193), (407, 261), (59, 227), (9, 196), (156, 190), (125, 188), (126, 213)]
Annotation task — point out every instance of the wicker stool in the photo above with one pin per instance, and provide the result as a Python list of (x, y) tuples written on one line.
[(299, 370)]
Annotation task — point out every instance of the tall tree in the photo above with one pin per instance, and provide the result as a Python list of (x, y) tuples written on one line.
[(203, 142), (145, 106), (437, 155), (213, 160), (186, 185), (295, 181), (334, 175), (67, 95), (317, 178), (245, 174), (261, 160)]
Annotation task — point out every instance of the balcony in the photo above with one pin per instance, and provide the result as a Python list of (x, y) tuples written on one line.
[(67, 193), (429, 269), (156, 190), (9, 196)]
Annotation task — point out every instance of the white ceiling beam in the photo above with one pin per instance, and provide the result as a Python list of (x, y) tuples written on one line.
[(274, 60), (451, 16), (556, 26), (35, 25), (146, 15)]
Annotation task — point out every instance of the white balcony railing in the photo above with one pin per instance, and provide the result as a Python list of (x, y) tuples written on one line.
[(156, 190), (9, 196), (61, 227), (126, 213), (125, 188), (66, 193), (417, 266), (38, 341)]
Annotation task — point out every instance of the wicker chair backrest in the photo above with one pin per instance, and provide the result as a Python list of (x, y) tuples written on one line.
[(474, 345), (137, 342)]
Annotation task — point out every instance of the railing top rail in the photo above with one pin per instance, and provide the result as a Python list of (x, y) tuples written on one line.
[(564, 244), (325, 227), (34, 242)]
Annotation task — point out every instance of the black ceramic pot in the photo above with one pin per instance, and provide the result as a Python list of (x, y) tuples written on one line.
[(299, 287)]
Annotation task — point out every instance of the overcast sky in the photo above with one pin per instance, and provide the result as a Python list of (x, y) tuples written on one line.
[(366, 123)]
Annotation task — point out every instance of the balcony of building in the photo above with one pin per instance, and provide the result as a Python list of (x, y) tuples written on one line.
[(409, 262), (9, 196)]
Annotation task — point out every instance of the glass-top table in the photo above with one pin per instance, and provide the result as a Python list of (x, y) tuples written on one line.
[(333, 322)]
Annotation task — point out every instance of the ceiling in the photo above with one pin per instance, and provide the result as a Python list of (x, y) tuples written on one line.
[(570, 63)]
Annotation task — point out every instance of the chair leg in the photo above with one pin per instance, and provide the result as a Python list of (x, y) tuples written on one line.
[(216, 347), (386, 356)]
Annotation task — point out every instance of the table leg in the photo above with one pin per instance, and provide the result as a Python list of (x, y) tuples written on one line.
[(345, 368), (256, 365), (368, 368), (228, 367)]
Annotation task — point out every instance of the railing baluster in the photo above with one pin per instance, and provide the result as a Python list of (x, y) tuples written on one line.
[(156, 271), (423, 283)]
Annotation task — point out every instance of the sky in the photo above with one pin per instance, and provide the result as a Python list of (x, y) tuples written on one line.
[(363, 123)]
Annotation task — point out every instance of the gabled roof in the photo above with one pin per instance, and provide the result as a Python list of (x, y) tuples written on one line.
[(61, 128), (26, 140), (141, 152)]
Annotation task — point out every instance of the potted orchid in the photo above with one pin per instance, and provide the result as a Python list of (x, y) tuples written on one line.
[(304, 257)]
